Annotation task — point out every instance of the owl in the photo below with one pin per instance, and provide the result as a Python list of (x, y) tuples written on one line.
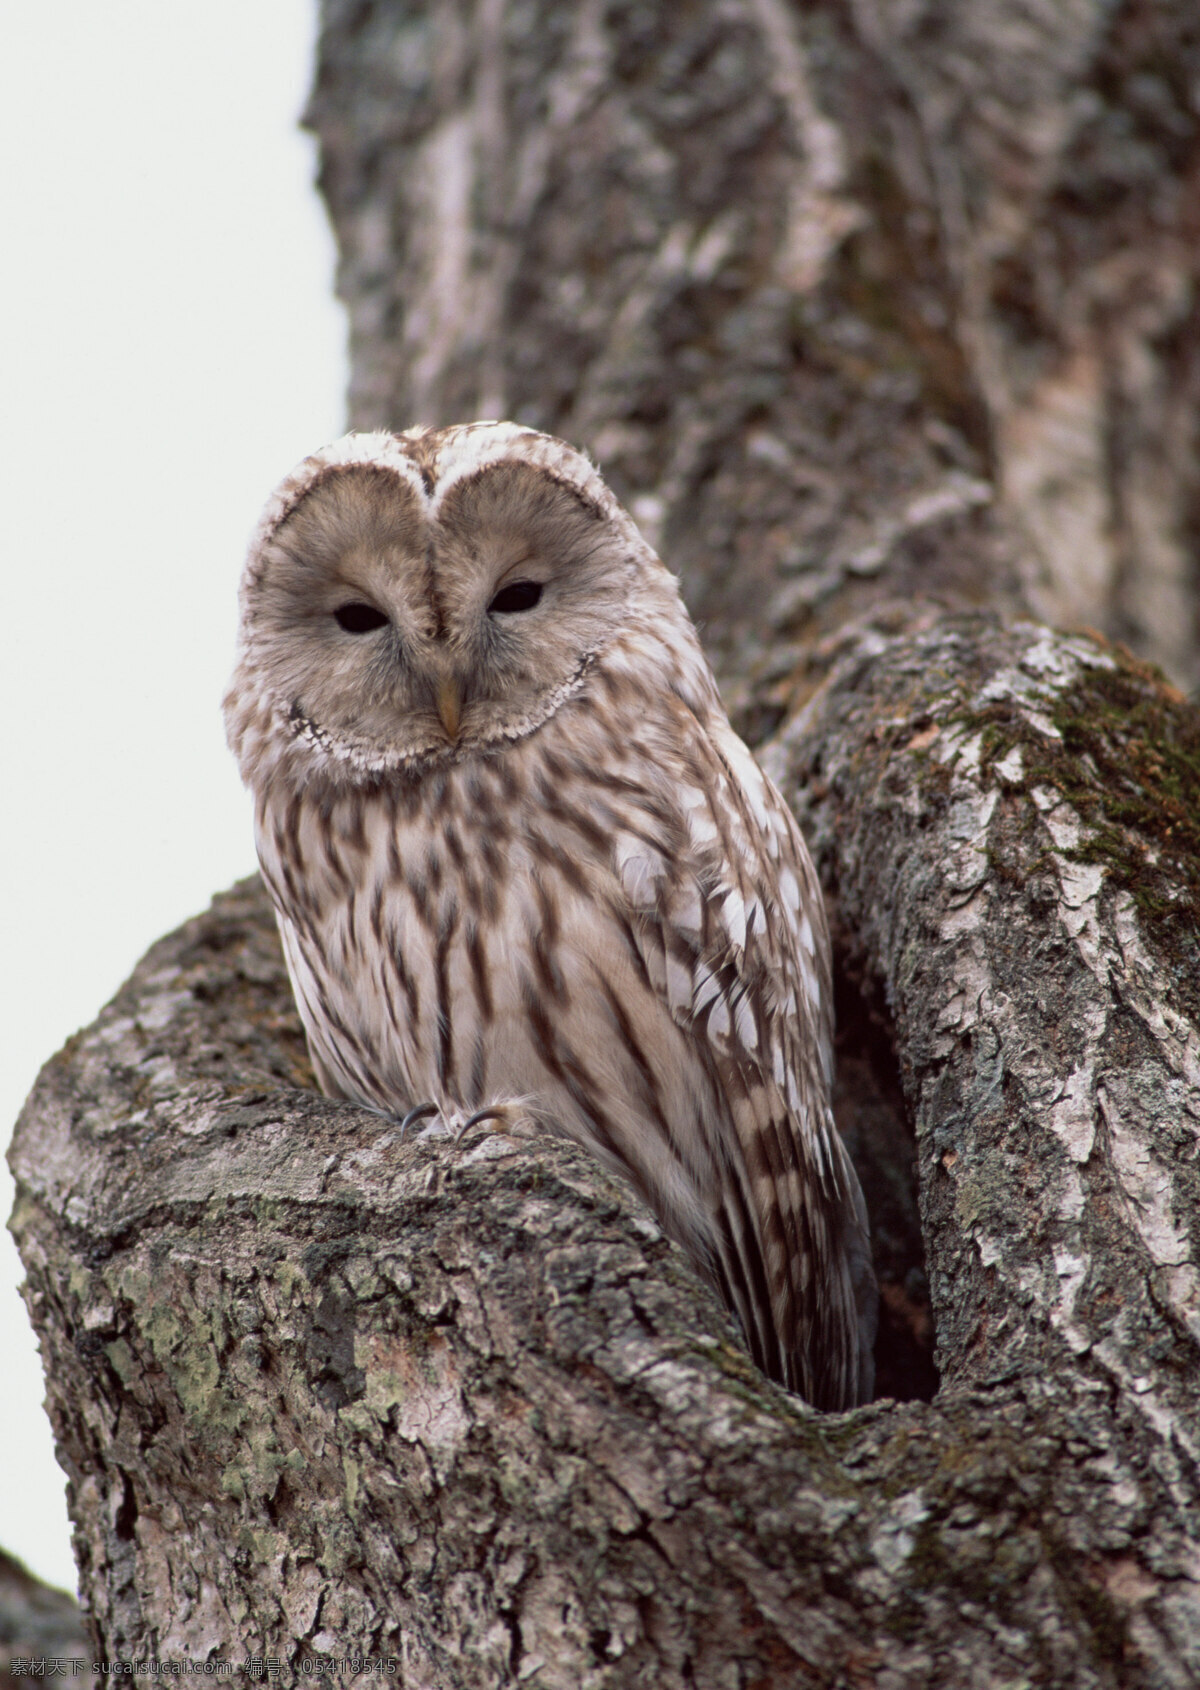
[(524, 869)]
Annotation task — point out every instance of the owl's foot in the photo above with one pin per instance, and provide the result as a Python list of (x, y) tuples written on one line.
[(511, 1118), (415, 1115)]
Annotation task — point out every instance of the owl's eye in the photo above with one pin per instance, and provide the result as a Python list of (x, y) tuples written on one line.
[(518, 595), (359, 618)]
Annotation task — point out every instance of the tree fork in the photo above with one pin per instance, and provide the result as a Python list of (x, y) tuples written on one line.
[(854, 312), (468, 1407)]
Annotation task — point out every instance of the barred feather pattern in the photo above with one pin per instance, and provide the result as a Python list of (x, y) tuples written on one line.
[(585, 897)]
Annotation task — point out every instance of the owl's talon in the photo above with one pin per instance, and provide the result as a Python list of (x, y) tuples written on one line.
[(491, 1114), (417, 1114)]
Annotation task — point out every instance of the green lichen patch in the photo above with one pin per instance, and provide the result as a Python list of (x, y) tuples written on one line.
[(1127, 760), (1142, 740)]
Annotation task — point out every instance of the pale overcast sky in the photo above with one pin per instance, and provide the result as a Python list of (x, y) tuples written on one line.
[(173, 347)]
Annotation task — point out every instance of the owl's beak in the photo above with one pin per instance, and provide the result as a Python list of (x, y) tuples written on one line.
[(449, 704)]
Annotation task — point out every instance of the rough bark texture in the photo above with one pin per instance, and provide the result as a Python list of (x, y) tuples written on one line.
[(856, 303), (859, 297)]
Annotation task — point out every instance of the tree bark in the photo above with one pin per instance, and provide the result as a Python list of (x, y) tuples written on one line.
[(859, 305), (850, 300)]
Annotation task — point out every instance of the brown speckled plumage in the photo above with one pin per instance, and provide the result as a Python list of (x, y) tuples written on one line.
[(519, 858)]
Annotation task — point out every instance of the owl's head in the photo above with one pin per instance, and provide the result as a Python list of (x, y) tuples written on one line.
[(414, 599)]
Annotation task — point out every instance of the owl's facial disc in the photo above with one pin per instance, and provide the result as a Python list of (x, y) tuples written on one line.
[(397, 630)]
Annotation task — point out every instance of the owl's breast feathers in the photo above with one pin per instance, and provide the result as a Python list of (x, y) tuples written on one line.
[(616, 920)]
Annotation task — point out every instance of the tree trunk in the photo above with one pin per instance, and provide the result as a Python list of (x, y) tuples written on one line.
[(858, 305), (850, 300)]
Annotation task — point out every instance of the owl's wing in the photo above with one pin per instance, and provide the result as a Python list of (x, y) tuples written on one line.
[(733, 937)]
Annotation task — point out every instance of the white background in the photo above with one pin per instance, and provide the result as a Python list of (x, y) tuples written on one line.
[(172, 349)]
